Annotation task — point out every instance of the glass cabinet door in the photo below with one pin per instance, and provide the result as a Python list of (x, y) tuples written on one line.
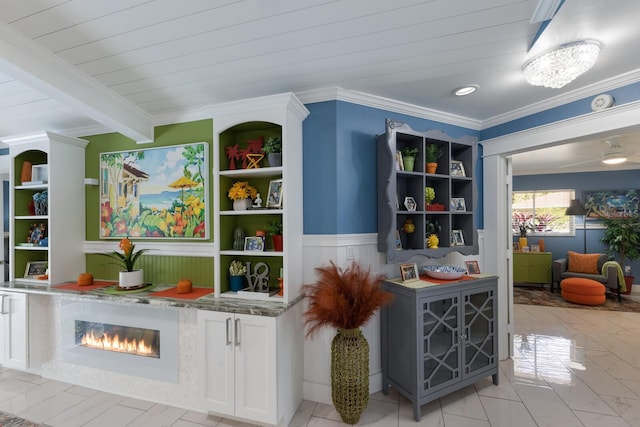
[(479, 335), (440, 342)]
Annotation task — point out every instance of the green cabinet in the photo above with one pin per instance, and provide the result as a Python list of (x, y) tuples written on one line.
[(532, 267)]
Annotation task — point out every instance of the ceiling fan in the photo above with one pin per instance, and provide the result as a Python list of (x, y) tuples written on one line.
[(614, 154)]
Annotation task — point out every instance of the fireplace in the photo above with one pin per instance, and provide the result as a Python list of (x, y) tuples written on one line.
[(133, 340)]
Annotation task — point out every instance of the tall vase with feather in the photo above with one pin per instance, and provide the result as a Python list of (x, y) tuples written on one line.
[(346, 299)]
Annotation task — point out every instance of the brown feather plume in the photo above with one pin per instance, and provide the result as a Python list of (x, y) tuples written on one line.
[(343, 299)]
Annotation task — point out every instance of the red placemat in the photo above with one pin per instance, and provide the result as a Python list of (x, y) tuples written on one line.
[(173, 293), (97, 284), (441, 281)]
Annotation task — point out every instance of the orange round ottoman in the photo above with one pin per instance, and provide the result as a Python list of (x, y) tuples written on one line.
[(583, 291)]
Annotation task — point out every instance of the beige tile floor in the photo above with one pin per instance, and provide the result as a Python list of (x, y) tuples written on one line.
[(571, 367)]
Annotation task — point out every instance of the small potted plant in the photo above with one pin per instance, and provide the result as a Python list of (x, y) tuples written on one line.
[(623, 237), (274, 229), (431, 157), (237, 271), (429, 195), (129, 277), (242, 195), (409, 155), (273, 149)]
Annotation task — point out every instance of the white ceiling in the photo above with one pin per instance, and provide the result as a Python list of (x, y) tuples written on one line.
[(69, 65)]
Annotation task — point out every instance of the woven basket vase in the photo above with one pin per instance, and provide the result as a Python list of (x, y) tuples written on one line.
[(350, 374)]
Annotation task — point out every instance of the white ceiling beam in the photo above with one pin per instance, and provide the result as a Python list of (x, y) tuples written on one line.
[(28, 62)]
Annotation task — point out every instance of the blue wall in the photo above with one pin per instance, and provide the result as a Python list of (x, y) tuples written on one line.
[(581, 182), (340, 178)]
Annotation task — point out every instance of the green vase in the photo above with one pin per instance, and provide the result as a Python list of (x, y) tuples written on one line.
[(350, 374), (408, 163)]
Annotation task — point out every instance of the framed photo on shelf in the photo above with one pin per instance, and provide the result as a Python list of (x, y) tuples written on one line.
[(254, 244), (458, 204), (516, 247), (34, 269), (410, 204), (457, 239), (457, 168), (472, 267), (399, 162), (274, 200), (409, 272), (398, 241), (37, 232), (535, 248)]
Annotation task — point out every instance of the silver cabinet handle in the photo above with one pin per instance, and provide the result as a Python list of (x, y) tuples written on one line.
[(2, 305), (228, 331), (237, 331)]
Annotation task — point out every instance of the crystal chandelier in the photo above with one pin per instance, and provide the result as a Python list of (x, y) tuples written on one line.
[(561, 65)]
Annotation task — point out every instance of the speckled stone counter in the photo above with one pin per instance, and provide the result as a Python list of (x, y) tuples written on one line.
[(207, 302)]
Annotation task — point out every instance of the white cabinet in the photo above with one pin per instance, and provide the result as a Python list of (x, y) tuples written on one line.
[(57, 182), (243, 374), (13, 330)]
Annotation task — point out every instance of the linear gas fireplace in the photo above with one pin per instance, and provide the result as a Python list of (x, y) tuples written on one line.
[(132, 340)]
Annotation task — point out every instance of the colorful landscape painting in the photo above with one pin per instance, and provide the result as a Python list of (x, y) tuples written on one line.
[(155, 193), (612, 203)]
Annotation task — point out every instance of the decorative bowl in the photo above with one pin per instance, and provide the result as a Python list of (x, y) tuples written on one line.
[(444, 272)]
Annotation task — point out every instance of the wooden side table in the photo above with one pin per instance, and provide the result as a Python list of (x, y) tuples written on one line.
[(532, 267)]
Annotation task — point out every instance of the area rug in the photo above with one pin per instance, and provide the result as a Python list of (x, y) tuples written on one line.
[(8, 420), (539, 296)]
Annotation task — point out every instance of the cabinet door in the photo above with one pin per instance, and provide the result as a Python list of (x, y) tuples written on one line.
[(255, 363), (479, 344), (216, 344), (14, 330), (439, 342)]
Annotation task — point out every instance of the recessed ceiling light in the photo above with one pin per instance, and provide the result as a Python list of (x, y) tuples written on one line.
[(465, 90)]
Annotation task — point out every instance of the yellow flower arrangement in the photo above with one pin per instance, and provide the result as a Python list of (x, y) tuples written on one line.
[(242, 190)]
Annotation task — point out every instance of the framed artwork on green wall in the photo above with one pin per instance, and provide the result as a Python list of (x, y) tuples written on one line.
[(155, 193)]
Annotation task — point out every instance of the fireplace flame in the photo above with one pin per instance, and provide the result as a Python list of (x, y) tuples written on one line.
[(115, 343)]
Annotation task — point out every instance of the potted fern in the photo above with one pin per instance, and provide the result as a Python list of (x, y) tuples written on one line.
[(346, 299), (273, 149)]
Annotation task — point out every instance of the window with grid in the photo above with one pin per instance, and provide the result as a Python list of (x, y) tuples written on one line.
[(541, 212)]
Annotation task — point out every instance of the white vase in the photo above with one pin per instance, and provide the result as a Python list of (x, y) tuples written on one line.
[(242, 204), (131, 279)]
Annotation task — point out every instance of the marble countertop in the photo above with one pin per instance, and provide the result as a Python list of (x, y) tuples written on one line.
[(207, 302)]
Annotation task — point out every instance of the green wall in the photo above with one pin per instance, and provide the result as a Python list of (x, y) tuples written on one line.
[(158, 269)]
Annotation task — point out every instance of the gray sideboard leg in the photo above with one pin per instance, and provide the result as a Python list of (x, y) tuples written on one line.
[(495, 378), (416, 410)]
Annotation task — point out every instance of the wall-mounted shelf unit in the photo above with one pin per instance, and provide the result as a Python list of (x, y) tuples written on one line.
[(455, 189)]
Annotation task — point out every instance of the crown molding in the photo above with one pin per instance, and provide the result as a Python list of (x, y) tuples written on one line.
[(559, 100), (591, 124), (367, 100)]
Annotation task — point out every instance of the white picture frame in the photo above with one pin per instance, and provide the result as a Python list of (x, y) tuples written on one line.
[(457, 239), (254, 244), (35, 268), (274, 198), (410, 204), (457, 204), (457, 168)]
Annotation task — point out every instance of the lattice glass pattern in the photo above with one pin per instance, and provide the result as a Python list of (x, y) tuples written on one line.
[(479, 331), (440, 347)]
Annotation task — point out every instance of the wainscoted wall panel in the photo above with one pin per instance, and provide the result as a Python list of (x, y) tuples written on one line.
[(319, 251)]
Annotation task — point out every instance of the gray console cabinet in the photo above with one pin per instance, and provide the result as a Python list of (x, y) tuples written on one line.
[(454, 207), (438, 339)]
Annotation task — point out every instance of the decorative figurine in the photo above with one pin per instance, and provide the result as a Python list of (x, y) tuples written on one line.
[(238, 238), (257, 203), (258, 277)]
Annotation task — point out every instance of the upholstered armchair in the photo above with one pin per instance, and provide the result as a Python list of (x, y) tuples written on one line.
[(588, 266)]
